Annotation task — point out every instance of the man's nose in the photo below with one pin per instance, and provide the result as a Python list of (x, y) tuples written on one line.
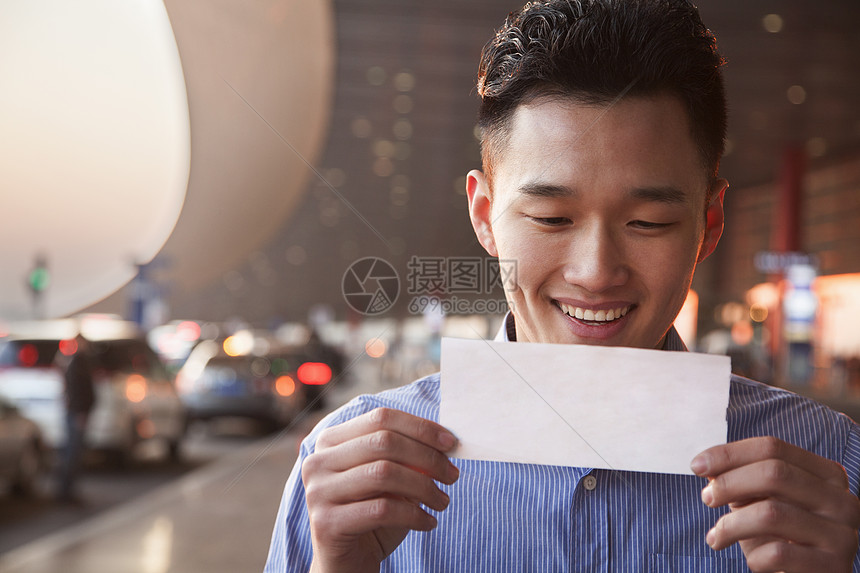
[(596, 260)]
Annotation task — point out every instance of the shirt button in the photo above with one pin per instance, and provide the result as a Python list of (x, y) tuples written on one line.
[(589, 482)]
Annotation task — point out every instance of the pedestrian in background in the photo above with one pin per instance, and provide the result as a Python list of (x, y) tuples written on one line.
[(79, 396)]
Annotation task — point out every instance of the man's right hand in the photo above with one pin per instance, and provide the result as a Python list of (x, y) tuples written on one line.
[(365, 484)]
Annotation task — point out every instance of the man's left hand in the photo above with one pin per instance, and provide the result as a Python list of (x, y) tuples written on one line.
[(791, 510)]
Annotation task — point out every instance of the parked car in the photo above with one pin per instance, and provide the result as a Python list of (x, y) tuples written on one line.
[(273, 389), (136, 399), (135, 396), (32, 379), (311, 368), (21, 449)]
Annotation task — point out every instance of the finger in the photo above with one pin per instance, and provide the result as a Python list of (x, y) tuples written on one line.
[(369, 515), (780, 555), (377, 479), (719, 459), (772, 518), (420, 429), (782, 480), (385, 445), (750, 545)]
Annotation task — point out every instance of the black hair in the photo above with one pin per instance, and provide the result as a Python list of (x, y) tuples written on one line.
[(596, 52)]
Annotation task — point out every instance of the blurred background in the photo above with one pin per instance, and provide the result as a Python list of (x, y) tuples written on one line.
[(252, 187)]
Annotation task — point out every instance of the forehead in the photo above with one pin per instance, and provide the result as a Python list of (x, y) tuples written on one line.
[(638, 141)]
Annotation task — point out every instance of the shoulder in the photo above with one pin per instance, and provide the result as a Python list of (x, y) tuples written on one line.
[(420, 398), (756, 402), (756, 409)]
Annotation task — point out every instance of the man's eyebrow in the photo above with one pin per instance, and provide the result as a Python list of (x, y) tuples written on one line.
[(659, 194), (546, 190), (666, 194)]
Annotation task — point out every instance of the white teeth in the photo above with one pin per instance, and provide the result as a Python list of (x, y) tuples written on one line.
[(594, 315)]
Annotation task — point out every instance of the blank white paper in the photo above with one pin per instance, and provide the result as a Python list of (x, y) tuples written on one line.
[(587, 406)]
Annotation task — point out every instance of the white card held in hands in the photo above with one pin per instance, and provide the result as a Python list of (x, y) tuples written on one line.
[(588, 406)]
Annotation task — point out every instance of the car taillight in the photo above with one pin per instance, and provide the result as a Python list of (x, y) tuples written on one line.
[(285, 385), (314, 373), (68, 346), (135, 388), (28, 355)]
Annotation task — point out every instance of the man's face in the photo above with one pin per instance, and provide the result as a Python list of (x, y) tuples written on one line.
[(603, 210)]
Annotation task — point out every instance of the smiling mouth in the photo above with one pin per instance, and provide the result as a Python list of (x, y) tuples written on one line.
[(597, 317)]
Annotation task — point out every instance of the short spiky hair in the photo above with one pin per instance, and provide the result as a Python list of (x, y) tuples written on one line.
[(597, 51)]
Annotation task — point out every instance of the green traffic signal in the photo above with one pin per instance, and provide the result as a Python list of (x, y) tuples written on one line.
[(39, 279)]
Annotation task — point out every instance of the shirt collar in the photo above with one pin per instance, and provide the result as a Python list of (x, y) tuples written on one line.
[(508, 330), (508, 333)]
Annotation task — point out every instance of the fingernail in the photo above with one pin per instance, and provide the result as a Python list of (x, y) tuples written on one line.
[(453, 472), (699, 465), (447, 499), (708, 495), (711, 538), (447, 440)]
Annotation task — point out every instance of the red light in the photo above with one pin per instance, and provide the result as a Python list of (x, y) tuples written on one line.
[(28, 355), (188, 330), (314, 373), (68, 347)]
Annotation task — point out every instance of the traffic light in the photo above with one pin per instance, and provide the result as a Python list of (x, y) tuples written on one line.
[(39, 279)]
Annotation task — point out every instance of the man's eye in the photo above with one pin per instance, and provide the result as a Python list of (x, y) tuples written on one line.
[(551, 221), (649, 225)]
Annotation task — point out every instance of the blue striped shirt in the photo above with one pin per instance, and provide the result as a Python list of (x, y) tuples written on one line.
[(521, 517)]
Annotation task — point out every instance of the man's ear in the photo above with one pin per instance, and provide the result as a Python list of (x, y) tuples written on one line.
[(480, 210), (714, 220)]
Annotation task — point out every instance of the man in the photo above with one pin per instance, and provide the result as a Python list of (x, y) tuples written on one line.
[(602, 129), (79, 395)]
